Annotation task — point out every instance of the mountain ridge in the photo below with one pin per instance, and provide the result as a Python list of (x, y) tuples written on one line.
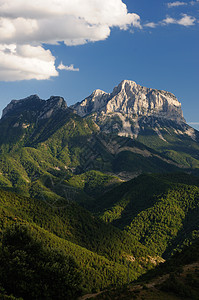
[(133, 100), (131, 110), (127, 111), (144, 102), (110, 142), (45, 108)]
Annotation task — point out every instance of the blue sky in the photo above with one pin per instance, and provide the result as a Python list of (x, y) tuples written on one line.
[(154, 43)]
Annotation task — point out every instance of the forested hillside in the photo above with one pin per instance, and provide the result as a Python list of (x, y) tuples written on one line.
[(160, 211), (177, 278), (101, 252)]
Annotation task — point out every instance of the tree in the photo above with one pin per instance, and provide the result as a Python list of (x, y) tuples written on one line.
[(30, 271)]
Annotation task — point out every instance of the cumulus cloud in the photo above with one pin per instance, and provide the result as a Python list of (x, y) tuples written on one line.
[(25, 62), (184, 21), (175, 4), (110, 13), (67, 68), (30, 24)]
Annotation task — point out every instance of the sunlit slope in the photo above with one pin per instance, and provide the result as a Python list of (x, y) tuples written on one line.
[(160, 211)]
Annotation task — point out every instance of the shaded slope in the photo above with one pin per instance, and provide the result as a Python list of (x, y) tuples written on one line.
[(175, 279), (102, 251)]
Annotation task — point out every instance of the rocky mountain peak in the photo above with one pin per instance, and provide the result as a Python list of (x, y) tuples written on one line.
[(36, 106), (52, 105), (97, 93), (133, 100), (131, 107), (16, 106), (56, 101), (92, 103), (124, 85)]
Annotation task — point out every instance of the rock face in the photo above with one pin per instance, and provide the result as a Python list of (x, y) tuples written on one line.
[(129, 107), (52, 105), (132, 100), (35, 106)]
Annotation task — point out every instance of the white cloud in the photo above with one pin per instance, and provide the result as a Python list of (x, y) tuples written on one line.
[(187, 20), (176, 4), (67, 68), (25, 62), (180, 3), (184, 21), (151, 25), (76, 22), (110, 13), (169, 20), (91, 14)]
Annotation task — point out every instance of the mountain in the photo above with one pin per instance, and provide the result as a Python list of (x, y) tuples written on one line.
[(132, 100), (152, 117), (45, 145), (26, 118), (40, 109), (62, 173), (131, 104)]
